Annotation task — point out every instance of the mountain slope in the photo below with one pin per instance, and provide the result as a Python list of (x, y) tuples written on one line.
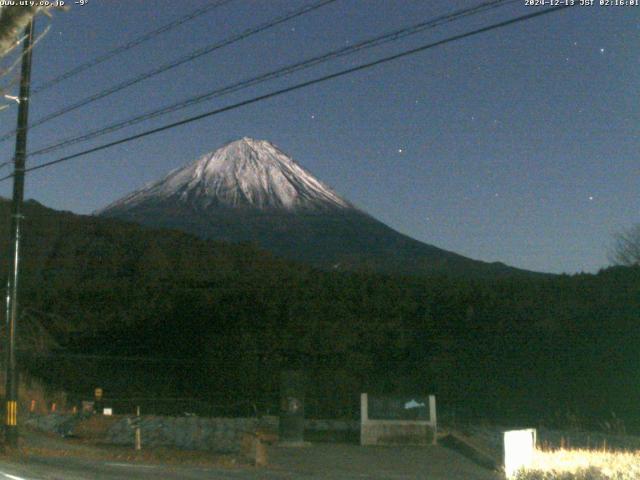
[(250, 191)]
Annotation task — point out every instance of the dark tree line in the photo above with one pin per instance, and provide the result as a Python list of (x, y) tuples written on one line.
[(228, 318)]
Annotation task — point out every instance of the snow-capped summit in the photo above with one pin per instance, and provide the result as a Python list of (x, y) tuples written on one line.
[(250, 191), (246, 173)]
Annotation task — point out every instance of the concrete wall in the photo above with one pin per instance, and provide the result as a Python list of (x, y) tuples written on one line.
[(330, 425), (396, 433)]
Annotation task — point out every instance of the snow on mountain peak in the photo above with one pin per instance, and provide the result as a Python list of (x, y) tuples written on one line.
[(244, 173)]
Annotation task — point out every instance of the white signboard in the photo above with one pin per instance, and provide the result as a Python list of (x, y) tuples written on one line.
[(518, 450)]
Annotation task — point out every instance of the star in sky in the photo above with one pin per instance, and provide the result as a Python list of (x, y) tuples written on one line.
[(471, 91)]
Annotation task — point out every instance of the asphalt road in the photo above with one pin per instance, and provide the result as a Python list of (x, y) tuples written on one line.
[(320, 461)]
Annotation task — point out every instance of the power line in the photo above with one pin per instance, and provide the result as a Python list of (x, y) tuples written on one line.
[(310, 62), (129, 45), (296, 87), (180, 61)]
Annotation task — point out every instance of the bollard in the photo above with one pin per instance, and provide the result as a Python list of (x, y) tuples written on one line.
[(138, 432)]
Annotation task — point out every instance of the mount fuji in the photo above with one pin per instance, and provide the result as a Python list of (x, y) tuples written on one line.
[(250, 191)]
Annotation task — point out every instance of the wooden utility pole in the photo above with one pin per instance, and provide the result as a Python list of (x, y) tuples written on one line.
[(11, 390)]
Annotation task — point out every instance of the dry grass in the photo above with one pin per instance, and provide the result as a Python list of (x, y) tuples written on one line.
[(35, 394), (583, 465), (35, 397)]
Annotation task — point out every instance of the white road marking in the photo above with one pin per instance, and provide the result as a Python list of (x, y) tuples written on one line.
[(12, 477), (114, 464)]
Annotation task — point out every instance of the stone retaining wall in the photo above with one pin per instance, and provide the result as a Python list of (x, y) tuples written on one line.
[(193, 433), (222, 435)]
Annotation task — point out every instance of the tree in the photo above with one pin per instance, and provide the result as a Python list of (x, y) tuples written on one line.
[(13, 21), (626, 248)]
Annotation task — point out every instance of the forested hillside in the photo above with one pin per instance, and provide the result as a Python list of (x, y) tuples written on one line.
[(220, 321)]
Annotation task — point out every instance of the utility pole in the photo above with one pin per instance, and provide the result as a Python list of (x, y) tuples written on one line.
[(11, 389)]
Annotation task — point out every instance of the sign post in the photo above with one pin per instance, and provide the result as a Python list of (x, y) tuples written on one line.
[(292, 408), (519, 448), (97, 395)]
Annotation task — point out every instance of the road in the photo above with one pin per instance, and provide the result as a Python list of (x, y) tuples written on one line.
[(319, 461)]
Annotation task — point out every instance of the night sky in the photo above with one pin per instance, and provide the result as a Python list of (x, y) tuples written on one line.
[(520, 145)]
